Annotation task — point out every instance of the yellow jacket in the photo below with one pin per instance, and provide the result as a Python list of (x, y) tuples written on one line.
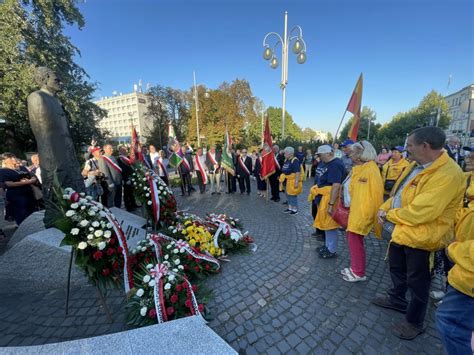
[(429, 202), (366, 191), (322, 220), (392, 170), (290, 184), (461, 276)]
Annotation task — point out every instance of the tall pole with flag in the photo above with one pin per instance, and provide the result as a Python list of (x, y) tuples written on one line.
[(268, 156), (354, 107)]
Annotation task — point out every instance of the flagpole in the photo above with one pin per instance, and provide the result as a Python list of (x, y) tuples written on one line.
[(268, 183), (340, 123)]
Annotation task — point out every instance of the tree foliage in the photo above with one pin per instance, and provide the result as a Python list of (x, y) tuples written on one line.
[(365, 115), (32, 36)]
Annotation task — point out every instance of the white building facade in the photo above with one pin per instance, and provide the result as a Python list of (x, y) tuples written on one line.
[(123, 111), (461, 109)]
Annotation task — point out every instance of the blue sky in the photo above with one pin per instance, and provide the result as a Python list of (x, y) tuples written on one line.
[(405, 48)]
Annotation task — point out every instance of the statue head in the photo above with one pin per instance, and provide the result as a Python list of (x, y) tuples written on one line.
[(47, 78)]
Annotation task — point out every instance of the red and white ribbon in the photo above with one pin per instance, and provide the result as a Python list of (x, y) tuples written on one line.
[(181, 244), (242, 165), (155, 199), (201, 170), (125, 159), (112, 164), (162, 167), (213, 161)]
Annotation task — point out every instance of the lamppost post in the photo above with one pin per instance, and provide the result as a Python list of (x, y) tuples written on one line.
[(196, 104), (299, 48)]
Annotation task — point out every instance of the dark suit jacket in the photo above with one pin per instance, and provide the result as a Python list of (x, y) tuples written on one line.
[(248, 164), (127, 170), (182, 167), (112, 175)]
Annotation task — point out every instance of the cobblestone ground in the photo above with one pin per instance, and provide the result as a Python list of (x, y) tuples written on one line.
[(280, 299)]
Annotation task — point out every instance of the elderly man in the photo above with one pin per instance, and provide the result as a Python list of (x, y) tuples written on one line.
[(420, 217), (273, 179), (35, 168), (200, 167), (452, 148), (243, 168), (346, 160), (108, 165)]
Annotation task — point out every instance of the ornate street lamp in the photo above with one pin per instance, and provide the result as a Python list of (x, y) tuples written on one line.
[(298, 48)]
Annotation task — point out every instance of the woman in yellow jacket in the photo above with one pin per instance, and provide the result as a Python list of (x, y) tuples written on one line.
[(363, 193), (291, 173), (392, 170), (455, 315)]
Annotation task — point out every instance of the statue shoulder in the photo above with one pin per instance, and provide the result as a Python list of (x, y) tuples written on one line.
[(36, 96)]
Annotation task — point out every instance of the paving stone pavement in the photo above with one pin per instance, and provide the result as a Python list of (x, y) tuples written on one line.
[(280, 299)]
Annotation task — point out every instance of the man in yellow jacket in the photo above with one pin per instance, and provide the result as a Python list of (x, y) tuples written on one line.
[(420, 216), (455, 315)]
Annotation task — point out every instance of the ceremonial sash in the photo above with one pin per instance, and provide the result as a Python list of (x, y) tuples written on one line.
[(276, 161), (242, 165), (112, 164), (213, 161), (125, 160), (162, 167), (201, 170), (185, 161)]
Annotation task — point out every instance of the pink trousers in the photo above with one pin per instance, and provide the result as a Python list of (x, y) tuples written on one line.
[(357, 252)]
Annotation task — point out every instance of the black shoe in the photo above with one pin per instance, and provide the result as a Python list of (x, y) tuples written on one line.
[(218, 193), (321, 238), (407, 331), (277, 199), (213, 193), (284, 203), (293, 213), (326, 254), (384, 302), (248, 193), (287, 211), (272, 199), (321, 249), (314, 234)]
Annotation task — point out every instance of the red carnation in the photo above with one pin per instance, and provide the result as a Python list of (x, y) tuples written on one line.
[(186, 267), (105, 272), (188, 303), (185, 285), (115, 265), (109, 251), (201, 307), (174, 298), (97, 255), (75, 197), (169, 310), (179, 288), (194, 288), (207, 267), (120, 250), (190, 257), (152, 313), (112, 241), (196, 268)]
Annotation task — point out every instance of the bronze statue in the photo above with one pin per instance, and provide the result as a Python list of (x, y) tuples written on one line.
[(55, 147)]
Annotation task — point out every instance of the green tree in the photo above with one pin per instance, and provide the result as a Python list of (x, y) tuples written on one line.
[(32, 36), (395, 131), (308, 135), (292, 131)]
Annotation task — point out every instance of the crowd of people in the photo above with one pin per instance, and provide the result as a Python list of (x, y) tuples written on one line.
[(416, 197)]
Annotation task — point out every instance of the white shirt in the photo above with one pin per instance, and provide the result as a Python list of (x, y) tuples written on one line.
[(202, 162), (153, 157)]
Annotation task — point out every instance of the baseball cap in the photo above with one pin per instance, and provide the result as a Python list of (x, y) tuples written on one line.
[(469, 149), (399, 148), (347, 142), (324, 149)]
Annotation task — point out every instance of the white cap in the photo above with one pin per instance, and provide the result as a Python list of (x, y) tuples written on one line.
[(324, 149)]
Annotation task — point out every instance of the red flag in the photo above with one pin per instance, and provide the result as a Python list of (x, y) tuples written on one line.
[(268, 157), (354, 107), (136, 149)]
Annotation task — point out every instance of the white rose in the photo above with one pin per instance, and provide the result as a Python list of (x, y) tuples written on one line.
[(82, 245), (100, 206), (151, 283), (140, 292), (95, 224), (89, 198), (166, 257), (147, 195), (109, 225), (107, 234), (98, 233), (84, 222), (175, 270), (70, 213), (135, 184), (177, 261), (144, 179), (149, 266), (175, 230), (74, 205), (167, 286), (166, 263), (169, 246), (65, 197), (83, 208), (101, 245), (91, 213), (143, 248), (91, 229), (176, 251), (149, 203), (171, 278), (82, 194), (146, 279), (68, 190), (102, 214), (165, 193), (181, 267), (75, 231), (143, 311), (90, 236)]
